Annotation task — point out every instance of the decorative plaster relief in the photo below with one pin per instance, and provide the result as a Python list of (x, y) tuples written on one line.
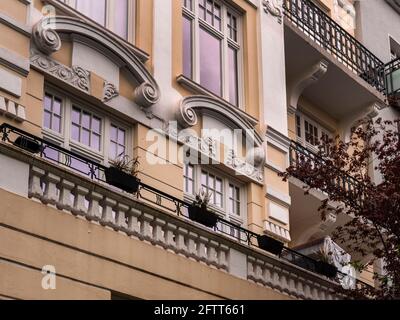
[(75, 76), (110, 91), (273, 7), (47, 40)]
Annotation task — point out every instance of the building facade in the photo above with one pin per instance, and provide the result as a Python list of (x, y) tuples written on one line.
[(211, 96)]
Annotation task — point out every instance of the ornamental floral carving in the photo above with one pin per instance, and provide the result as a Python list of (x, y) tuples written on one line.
[(273, 7), (110, 91), (75, 76)]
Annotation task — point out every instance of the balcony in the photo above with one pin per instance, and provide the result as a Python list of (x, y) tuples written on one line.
[(159, 219), (353, 79), (391, 73)]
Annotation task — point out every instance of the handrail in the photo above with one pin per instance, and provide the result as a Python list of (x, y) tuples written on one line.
[(287, 254), (330, 35)]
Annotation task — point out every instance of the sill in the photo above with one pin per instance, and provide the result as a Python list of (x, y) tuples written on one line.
[(196, 88)]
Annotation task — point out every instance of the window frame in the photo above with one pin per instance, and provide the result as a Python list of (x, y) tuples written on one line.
[(302, 139), (196, 24), (64, 139), (109, 17), (223, 211)]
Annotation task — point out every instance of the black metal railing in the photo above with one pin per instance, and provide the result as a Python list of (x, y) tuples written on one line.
[(328, 34), (95, 171), (391, 74), (302, 157)]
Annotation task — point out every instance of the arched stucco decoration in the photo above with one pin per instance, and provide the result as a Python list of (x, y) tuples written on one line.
[(189, 106), (47, 40)]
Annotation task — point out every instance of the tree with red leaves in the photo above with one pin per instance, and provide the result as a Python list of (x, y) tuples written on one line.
[(343, 171)]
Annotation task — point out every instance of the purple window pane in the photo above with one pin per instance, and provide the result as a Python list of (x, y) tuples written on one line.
[(56, 125), (57, 106), (95, 9), (86, 120), (113, 133), (80, 166), (121, 137), (113, 150), (96, 125), (76, 114), (47, 102), (95, 143), (231, 205), (209, 17), (217, 23), (187, 47), (121, 18), (233, 76), (75, 132), (210, 62), (121, 150), (47, 120), (85, 137)]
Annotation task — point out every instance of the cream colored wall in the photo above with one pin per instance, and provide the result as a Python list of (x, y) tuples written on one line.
[(92, 260)]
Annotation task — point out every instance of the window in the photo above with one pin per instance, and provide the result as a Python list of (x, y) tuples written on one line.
[(211, 47), (309, 133), (116, 15), (227, 195), (83, 129), (394, 49)]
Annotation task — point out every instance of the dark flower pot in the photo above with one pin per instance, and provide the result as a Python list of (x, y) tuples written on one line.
[(122, 180), (203, 216), (28, 144), (269, 244), (326, 269)]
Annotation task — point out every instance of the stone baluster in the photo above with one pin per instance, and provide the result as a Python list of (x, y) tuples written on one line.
[(258, 272), (223, 252), (181, 234), (79, 202), (35, 187), (250, 268), (133, 228), (146, 227), (212, 253), (158, 232), (267, 276), (51, 193), (202, 248), (170, 230), (94, 212), (107, 218), (121, 223), (192, 245), (65, 202)]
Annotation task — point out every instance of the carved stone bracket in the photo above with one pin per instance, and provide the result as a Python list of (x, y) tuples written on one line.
[(273, 7), (146, 94), (110, 91), (46, 39), (75, 76)]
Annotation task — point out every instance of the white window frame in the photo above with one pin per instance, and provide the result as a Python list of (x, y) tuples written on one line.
[(302, 139), (222, 35), (64, 138), (109, 19), (239, 220)]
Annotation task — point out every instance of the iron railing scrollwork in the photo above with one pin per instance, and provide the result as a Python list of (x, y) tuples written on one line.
[(95, 171), (327, 33)]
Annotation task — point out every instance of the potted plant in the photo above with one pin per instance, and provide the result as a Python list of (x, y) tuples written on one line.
[(269, 244), (198, 210), (122, 173), (28, 144), (324, 266)]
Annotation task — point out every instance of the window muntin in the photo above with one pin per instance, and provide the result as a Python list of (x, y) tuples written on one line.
[(227, 195), (309, 133), (86, 131), (116, 15), (211, 47), (117, 142), (52, 112)]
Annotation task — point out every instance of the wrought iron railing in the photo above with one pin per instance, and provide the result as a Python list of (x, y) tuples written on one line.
[(301, 157), (328, 34), (95, 171), (391, 74)]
